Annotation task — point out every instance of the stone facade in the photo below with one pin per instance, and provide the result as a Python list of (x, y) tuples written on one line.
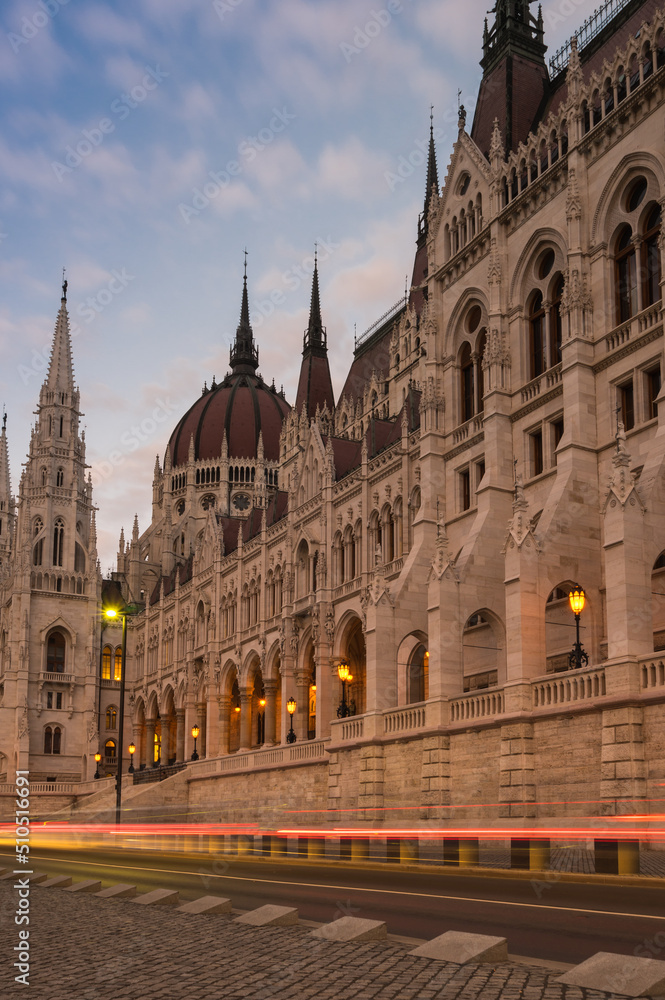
[(500, 438)]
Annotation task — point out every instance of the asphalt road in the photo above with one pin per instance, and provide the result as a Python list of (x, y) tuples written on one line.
[(551, 919)]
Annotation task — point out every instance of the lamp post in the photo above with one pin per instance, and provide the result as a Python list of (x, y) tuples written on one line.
[(132, 751), (345, 676), (195, 734), (291, 707), (98, 757), (578, 657), (112, 614)]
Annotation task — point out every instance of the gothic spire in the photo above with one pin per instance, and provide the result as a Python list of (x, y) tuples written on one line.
[(432, 174), (315, 334), (60, 377), (244, 353), (5, 484), (315, 384)]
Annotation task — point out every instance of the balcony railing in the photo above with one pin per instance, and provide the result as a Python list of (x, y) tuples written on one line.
[(477, 706), (652, 673), (576, 685), (54, 677), (254, 760)]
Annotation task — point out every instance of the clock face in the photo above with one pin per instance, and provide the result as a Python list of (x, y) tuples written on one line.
[(241, 501)]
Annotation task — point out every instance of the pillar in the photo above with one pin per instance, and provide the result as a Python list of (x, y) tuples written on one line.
[(224, 705), (150, 742), (245, 720), (270, 688), (212, 728), (180, 734)]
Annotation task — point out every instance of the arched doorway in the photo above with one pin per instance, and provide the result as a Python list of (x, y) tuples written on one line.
[(354, 654)]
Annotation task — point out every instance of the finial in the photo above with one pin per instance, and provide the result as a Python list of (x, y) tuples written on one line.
[(431, 117), (245, 263), (459, 94), (316, 252), (406, 288), (4, 418), (64, 286)]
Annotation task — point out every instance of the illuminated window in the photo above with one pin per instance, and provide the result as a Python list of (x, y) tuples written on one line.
[(117, 670), (106, 663)]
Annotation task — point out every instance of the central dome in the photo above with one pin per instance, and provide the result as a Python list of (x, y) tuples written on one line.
[(242, 406)]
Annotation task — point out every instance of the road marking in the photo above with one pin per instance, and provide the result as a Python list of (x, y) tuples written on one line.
[(353, 888)]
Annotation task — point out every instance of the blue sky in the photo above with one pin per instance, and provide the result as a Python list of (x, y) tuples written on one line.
[(146, 143)]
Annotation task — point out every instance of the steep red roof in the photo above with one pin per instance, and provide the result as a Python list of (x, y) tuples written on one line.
[(315, 384)]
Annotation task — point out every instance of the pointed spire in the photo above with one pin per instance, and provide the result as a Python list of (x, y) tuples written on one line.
[(315, 334), (244, 356), (135, 529), (60, 377), (5, 484), (432, 173)]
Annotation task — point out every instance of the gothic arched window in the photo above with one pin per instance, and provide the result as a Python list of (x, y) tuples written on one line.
[(651, 257), (111, 717), (106, 663), (48, 740), (466, 382), (58, 541), (626, 274), (55, 653), (536, 336)]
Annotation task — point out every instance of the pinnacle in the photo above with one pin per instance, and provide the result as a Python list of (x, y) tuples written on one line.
[(60, 377)]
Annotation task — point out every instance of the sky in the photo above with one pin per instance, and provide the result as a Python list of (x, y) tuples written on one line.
[(145, 144)]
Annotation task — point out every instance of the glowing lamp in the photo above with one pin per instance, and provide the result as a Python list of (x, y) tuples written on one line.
[(111, 612), (195, 732), (577, 599), (132, 748), (98, 757), (291, 706), (343, 671), (262, 702)]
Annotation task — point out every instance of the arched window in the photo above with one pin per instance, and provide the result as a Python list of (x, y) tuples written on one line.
[(466, 382), (536, 336), (106, 663), (626, 274), (48, 740), (58, 541), (111, 717), (480, 353), (79, 559), (57, 734), (651, 257), (55, 653), (117, 669), (60, 477), (109, 749), (417, 681), (38, 552)]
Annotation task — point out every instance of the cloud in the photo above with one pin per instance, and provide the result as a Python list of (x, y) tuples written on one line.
[(99, 24), (352, 171)]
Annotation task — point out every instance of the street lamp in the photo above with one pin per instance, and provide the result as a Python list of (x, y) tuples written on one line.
[(132, 751), (111, 614), (578, 657), (345, 676), (98, 757), (195, 734), (291, 707)]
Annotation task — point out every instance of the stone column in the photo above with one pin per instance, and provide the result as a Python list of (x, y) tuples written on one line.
[(150, 742), (245, 720), (270, 688), (202, 742), (212, 728), (224, 706), (434, 776), (180, 734), (166, 740), (300, 719)]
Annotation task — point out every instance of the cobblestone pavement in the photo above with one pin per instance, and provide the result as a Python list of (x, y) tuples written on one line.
[(84, 948)]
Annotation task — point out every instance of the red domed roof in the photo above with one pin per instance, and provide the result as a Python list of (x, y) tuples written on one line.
[(242, 405)]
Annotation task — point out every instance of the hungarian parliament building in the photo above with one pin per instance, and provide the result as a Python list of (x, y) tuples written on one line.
[(439, 595)]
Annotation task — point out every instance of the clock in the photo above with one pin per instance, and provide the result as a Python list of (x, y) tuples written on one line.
[(241, 501)]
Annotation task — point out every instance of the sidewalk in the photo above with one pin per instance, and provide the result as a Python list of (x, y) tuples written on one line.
[(86, 948)]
